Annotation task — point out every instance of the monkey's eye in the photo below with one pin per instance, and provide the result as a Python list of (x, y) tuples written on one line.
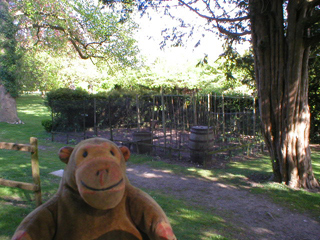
[(85, 154), (112, 152)]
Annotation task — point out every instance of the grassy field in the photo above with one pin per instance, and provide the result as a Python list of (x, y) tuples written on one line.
[(189, 222)]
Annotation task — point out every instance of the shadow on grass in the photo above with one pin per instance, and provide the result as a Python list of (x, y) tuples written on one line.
[(243, 174), (12, 213), (300, 200), (190, 222)]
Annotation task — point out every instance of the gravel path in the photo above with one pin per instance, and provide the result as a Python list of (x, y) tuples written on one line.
[(256, 216)]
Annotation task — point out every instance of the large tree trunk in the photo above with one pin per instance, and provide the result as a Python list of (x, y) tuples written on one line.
[(281, 65), (8, 109)]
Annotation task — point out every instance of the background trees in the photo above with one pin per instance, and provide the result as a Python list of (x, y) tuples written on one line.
[(85, 27), (314, 94), (281, 34)]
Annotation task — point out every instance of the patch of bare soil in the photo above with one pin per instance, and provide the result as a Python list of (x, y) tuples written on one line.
[(257, 217)]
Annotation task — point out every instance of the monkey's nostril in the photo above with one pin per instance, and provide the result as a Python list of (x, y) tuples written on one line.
[(101, 171)]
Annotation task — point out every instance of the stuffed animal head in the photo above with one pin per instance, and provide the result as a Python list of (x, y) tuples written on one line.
[(96, 169)]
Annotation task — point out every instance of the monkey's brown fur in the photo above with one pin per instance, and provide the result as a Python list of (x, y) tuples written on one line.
[(95, 200)]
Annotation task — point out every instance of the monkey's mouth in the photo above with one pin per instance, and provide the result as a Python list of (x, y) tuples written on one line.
[(101, 189)]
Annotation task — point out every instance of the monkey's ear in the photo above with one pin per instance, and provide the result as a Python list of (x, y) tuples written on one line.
[(65, 153), (126, 152)]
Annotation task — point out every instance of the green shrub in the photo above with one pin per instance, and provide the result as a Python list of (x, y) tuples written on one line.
[(67, 94), (73, 110), (47, 124), (68, 107)]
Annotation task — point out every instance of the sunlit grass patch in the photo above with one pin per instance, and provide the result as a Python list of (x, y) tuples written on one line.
[(316, 164), (11, 214)]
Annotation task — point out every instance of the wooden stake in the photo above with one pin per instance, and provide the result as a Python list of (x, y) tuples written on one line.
[(163, 119), (138, 112), (35, 169)]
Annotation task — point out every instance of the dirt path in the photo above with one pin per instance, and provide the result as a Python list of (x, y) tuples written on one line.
[(258, 218)]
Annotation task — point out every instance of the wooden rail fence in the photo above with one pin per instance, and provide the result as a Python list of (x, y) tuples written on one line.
[(33, 149)]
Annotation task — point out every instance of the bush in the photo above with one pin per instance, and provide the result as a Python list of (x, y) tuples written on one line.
[(73, 110), (113, 108), (66, 94), (68, 107), (47, 124)]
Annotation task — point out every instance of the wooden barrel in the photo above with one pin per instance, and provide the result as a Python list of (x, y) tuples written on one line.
[(200, 143), (142, 142)]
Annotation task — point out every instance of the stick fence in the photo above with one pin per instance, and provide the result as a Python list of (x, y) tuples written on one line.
[(169, 118)]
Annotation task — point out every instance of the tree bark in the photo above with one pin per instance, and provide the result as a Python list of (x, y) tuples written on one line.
[(281, 66), (8, 109)]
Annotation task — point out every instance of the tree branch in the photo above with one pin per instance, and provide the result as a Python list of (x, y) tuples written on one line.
[(220, 20), (232, 34), (98, 43), (76, 47), (74, 40), (46, 25), (217, 19), (80, 52)]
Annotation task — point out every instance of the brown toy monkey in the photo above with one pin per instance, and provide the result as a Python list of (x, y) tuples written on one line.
[(96, 201)]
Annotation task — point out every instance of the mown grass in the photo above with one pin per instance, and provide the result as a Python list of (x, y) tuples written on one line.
[(189, 221)]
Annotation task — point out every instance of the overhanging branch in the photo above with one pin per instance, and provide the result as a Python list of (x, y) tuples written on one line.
[(46, 25), (75, 41), (76, 47), (232, 34), (217, 19)]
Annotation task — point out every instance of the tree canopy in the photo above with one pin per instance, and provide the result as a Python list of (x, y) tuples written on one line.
[(87, 28), (93, 30)]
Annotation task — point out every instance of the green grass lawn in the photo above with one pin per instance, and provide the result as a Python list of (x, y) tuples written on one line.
[(189, 222)]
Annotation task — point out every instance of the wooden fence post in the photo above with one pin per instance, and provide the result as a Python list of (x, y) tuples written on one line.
[(33, 149), (35, 169)]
